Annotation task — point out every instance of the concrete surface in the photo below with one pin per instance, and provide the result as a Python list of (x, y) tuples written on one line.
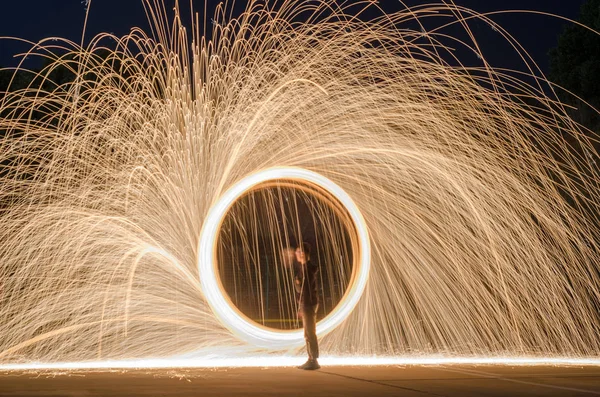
[(417, 381)]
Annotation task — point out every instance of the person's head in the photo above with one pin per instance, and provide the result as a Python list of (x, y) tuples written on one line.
[(303, 252)]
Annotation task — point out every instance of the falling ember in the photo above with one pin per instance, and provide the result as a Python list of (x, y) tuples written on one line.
[(462, 196)]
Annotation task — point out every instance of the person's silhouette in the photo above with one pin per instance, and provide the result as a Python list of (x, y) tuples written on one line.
[(305, 283)]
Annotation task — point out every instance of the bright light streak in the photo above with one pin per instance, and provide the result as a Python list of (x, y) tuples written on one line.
[(208, 267), (476, 184), (290, 361)]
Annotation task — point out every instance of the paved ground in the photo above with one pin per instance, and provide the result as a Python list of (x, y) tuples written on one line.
[(447, 380)]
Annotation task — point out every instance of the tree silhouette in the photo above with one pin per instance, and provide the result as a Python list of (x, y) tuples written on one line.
[(575, 65)]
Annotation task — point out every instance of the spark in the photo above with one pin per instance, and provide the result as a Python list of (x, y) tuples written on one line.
[(475, 200)]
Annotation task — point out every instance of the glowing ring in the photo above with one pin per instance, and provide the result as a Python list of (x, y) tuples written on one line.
[(211, 285)]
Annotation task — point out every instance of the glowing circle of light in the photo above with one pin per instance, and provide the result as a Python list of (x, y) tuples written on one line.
[(210, 282)]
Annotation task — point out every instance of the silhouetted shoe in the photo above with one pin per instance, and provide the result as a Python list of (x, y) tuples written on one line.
[(310, 365)]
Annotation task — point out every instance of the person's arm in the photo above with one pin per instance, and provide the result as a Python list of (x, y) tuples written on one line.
[(311, 285), (298, 279), (314, 271)]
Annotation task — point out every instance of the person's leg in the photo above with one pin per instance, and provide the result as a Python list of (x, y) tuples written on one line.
[(309, 322)]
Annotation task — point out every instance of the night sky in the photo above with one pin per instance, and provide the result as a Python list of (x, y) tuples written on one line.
[(37, 19)]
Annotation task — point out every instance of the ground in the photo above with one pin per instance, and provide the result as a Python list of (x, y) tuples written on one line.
[(428, 380)]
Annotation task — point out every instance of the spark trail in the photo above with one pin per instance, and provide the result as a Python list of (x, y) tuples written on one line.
[(475, 185)]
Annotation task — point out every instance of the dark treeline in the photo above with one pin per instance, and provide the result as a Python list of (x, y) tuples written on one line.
[(575, 66)]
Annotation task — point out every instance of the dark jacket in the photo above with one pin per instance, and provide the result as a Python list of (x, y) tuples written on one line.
[(305, 283)]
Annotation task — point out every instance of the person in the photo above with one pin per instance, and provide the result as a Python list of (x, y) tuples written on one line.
[(305, 284)]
